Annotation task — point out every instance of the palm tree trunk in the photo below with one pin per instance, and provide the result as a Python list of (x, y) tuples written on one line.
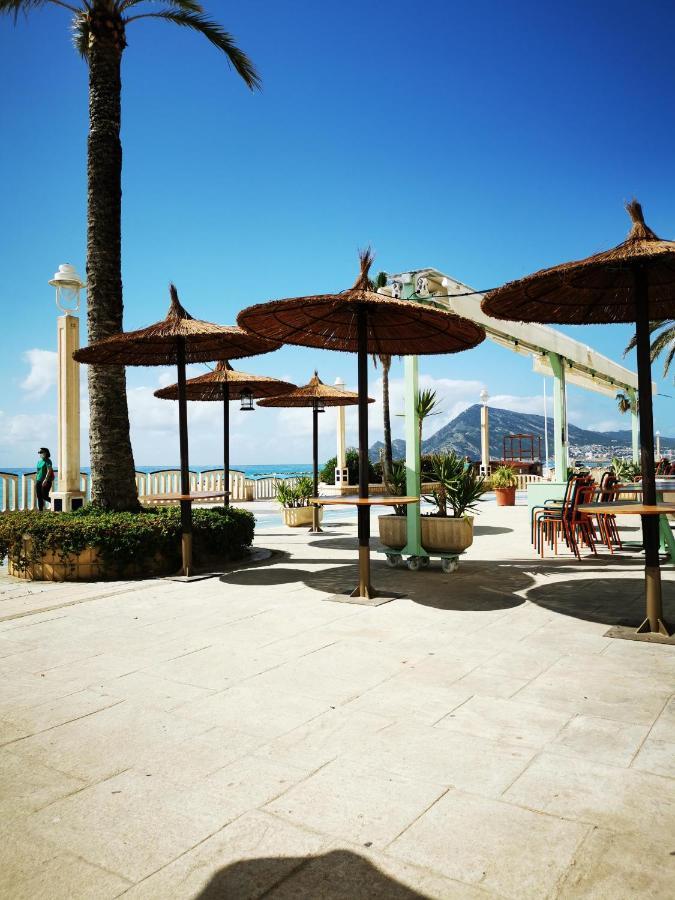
[(112, 463), (388, 452)]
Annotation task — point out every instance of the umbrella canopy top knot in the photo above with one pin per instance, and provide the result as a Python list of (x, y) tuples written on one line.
[(209, 387), (331, 321), (157, 344), (598, 289), (315, 391)]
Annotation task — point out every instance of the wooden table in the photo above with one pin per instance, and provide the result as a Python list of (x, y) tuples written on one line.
[(635, 508), (197, 495), (365, 589)]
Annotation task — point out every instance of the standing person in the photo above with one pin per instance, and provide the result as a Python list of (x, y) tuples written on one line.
[(44, 477)]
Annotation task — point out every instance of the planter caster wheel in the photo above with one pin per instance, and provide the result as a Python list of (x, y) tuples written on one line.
[(450, 565), (393, 559), (424, 561), (414, 563)]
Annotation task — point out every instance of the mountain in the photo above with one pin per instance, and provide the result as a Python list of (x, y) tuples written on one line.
[(462, 435), (397, 448)]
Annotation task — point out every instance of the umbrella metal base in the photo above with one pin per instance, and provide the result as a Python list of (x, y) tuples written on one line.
[(627, 633), (653, 624), (374, 600)]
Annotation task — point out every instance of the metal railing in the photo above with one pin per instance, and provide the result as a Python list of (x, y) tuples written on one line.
[(28, 498)]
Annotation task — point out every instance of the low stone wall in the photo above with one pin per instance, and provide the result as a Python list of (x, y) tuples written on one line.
[(85, 566)]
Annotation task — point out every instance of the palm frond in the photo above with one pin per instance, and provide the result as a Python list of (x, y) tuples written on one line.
[(187, 5), (653, 326), (214, 33), (14, 7), (81, 35), (668, 360)]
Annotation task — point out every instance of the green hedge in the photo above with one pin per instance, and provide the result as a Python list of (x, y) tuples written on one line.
[(125, 539)]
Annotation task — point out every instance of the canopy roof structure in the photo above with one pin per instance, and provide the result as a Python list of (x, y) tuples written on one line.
[(584, 366)]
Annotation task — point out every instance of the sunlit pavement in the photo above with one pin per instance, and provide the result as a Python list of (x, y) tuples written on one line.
[(242, 736)]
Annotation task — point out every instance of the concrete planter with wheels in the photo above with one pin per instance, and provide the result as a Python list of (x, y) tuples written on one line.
[(297, 516), (440, 534)]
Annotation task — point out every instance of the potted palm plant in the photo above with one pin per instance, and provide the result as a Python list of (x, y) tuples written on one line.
[(296, 508), (449, 529), (504, 482)]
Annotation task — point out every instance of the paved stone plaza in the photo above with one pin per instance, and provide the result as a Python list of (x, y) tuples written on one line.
[(242, 737)]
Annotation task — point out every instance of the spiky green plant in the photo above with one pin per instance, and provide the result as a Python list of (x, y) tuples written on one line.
[(100, 36)]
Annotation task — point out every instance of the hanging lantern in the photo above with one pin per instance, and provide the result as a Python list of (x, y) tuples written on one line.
[(246, 398)]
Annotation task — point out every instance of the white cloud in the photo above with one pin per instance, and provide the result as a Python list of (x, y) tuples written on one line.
[(42, 374)]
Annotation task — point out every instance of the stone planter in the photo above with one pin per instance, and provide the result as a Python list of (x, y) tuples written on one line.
[(506, 496), (297, 516), (85, 566), (439, 534)]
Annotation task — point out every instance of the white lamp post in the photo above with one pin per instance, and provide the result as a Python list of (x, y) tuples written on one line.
[(484, 434), (68, 285), (341, 471), (658, 445)]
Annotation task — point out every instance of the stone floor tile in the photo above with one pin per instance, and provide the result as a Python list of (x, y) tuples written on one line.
[(244, 860), (401, 697), (68, 877), (255, 709), (26, 788), (602, 740), (664, 726), (49, 714), (323, 738), (130, 824), (657, 757), (216, 667), (442, 757), (191, 759), (149, 690), (511, 851), (107, 742), (612, 797), (484, 682), (356, 805), (505, 720), (620, 867)]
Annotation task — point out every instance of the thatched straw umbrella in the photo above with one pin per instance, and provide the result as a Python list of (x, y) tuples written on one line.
[(176, 340), (361, 321), (225, 384), (634, 282), (317, 395)]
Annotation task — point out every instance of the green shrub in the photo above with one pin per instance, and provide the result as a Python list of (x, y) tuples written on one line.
[(292, 497), (352, 459), (504, 477), (124, 539)]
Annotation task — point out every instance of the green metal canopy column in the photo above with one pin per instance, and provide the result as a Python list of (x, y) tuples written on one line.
[(560, 449), (634, 424), (413, 479)]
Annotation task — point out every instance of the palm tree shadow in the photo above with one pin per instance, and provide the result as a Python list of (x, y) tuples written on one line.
[(337, 875)]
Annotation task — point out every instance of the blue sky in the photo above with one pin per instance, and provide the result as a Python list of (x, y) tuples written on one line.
[(486, 140)]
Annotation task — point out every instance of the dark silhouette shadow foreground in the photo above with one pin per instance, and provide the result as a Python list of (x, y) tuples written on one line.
[(339, 875)]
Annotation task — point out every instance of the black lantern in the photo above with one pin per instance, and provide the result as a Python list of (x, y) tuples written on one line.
[(246, 397), (318, 406)]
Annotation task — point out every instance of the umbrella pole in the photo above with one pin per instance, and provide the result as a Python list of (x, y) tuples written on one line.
[(316, 528), (185, 505), (650, 524), (226, 442), (365, 588)]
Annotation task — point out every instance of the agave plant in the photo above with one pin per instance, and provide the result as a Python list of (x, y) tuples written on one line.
[(459, 488)]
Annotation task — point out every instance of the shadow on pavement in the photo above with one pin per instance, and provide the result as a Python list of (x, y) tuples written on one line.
[(490, 529), (611, 601), (338, 875)]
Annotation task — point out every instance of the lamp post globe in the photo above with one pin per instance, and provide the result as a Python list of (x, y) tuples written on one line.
[(68, 285), (484, 397)]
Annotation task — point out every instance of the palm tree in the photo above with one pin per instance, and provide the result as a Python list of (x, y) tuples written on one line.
[(663, 342), (99, 30), (385, 361)]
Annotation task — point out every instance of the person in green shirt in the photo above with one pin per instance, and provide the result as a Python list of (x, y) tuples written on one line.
[(44, 477)]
